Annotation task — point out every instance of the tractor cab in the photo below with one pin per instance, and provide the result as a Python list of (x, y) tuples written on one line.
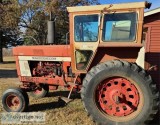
[(104, 28)]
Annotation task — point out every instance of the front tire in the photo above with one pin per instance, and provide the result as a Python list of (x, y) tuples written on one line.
[(40, 92), (15, 100), (121, 93)]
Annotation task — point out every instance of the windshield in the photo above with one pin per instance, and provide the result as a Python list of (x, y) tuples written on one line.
[(119, 27), (86, 28)]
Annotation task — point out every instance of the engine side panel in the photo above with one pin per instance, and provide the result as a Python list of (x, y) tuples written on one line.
[(122, 53), (26, 63)]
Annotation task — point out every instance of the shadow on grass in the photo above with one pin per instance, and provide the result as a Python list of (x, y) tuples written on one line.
[(8, 73), (46, 106), (74, 95), (52, 105)]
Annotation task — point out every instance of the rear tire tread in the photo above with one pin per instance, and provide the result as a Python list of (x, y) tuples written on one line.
[(135, 68)]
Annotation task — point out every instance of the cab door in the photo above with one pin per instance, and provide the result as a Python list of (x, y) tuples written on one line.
[(84, 40)]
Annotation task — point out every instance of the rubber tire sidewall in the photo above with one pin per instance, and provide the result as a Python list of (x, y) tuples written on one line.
[(45, 90), (121, 72), (22, 98)]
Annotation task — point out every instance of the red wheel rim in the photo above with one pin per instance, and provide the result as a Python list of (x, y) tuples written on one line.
[(117, 96), (13, 102)]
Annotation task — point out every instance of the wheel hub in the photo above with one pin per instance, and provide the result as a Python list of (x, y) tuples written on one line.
[(117, 97), (13, 102)]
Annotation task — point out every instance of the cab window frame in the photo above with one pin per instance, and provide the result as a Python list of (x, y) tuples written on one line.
[(98, 32), (120, 41)]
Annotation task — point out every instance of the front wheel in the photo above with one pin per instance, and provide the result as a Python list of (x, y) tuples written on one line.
[(121, 93), (40, 92), (15, 100)]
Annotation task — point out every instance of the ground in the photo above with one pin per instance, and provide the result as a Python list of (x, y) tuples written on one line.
[(56, 113)]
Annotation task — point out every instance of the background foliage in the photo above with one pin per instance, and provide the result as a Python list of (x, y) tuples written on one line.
[(25, 21)]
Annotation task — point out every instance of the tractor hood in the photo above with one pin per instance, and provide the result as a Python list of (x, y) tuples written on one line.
[(43, 50)]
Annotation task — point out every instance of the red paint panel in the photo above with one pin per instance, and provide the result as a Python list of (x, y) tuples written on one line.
[(53, 81), (154, 50), (103, 54), (17, 66), (153, 45), (155, 30), (155, 23), (155, 37), (151, 25), (43, 50), (155, 34)]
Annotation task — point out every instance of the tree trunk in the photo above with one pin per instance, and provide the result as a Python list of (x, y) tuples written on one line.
[(1, 52)]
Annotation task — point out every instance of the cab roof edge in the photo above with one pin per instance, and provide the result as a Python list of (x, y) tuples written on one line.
[(114, 6)]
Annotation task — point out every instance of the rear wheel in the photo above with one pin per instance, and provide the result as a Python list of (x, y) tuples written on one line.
[(40, 92), (118, 92), (15, 100)]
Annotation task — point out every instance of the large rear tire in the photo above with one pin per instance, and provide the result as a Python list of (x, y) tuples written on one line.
[(119, 93), (15, 100)]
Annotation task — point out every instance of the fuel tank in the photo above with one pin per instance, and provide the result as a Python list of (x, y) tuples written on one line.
[(43, 50)]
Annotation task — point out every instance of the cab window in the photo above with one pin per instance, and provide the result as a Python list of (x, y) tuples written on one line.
[(86, 28), (119, 27)]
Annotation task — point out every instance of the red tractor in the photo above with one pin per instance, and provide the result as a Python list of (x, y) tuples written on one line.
[(104, 62)]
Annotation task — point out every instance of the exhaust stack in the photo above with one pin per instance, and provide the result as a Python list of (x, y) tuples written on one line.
[(51, 30)]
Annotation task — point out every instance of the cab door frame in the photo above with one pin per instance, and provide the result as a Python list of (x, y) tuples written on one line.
[(82, 45)]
